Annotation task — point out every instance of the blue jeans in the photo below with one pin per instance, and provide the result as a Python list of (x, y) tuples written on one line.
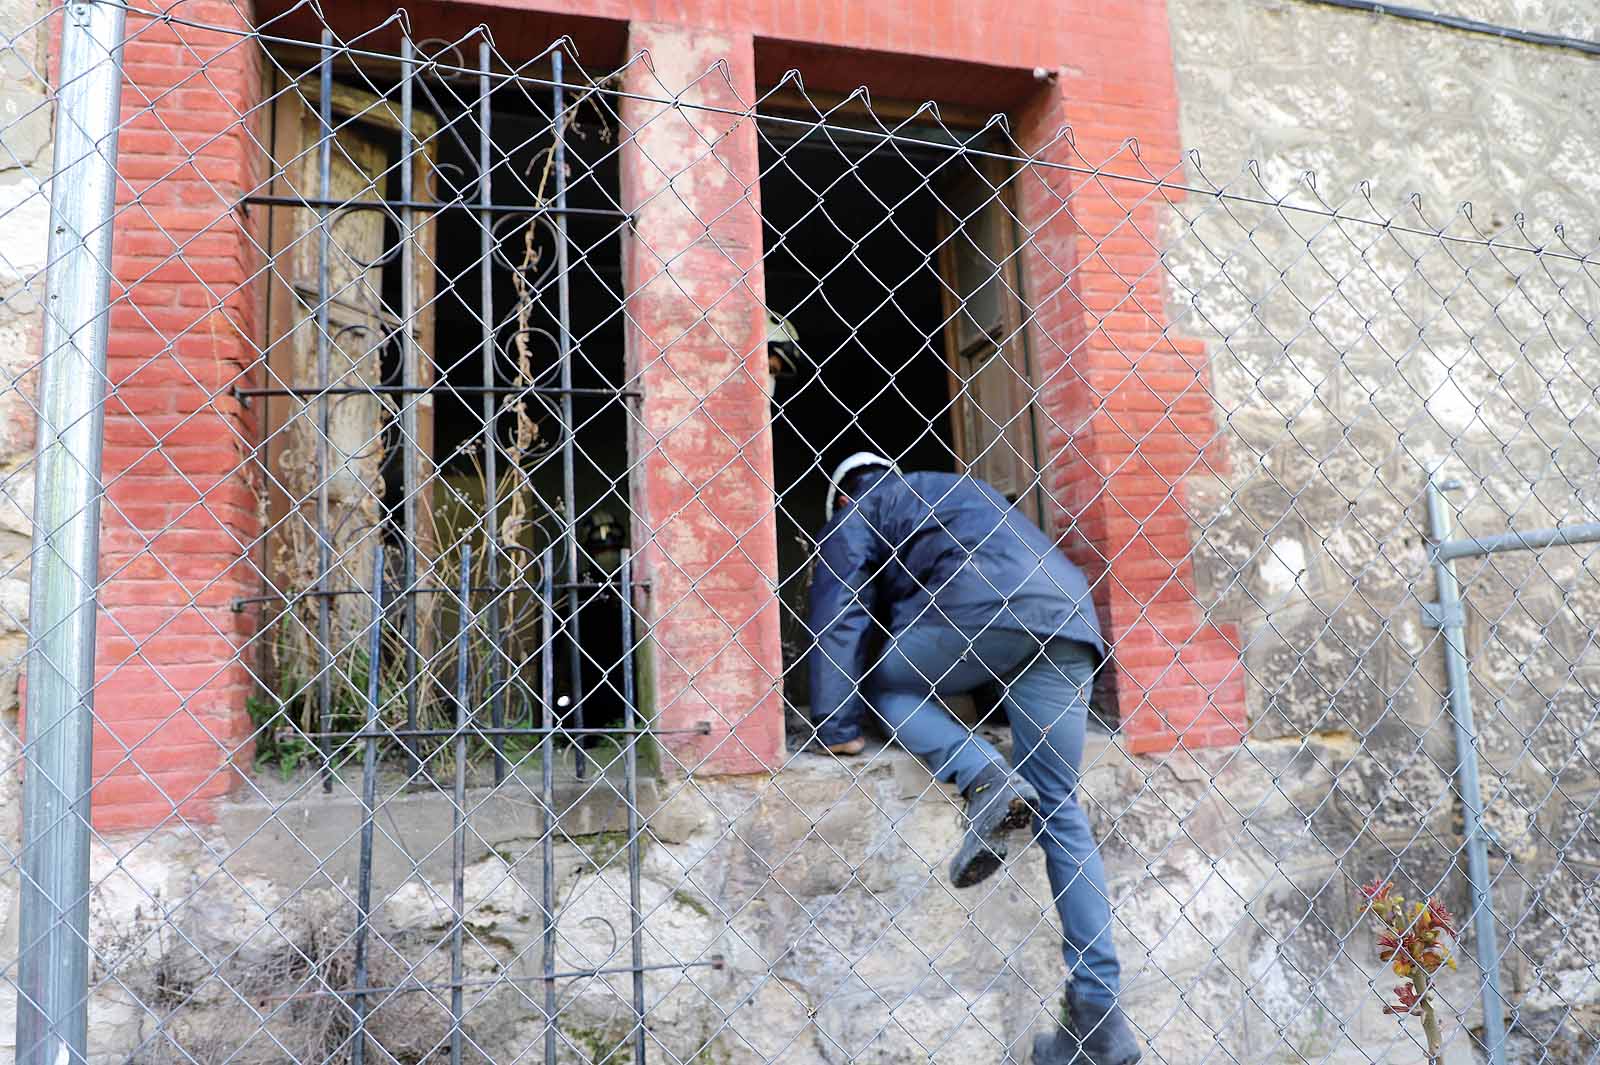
[(1045, 685)]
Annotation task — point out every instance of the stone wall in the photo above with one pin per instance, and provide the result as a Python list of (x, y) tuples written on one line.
[(1347, 360), (813, 908)]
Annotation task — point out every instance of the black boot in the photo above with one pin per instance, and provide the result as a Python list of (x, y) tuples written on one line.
[(1094, 1034), (999, 803)]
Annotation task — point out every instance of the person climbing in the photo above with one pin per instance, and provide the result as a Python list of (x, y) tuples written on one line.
[(933, 584)]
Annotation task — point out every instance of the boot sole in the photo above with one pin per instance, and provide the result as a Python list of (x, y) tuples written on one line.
[(983, 852), (1044, 1053)]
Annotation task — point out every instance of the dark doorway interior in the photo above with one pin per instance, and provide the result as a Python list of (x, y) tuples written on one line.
[(851, 266)]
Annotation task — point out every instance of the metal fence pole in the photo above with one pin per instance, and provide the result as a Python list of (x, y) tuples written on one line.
[(409, 376), (324, 411), (568, 426), (369, 805), (491, 407), (52, 1007), (631, 788), (1451, 622), (548, 821)]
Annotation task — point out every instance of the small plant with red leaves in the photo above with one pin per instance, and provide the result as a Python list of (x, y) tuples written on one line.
[(1417, 939)]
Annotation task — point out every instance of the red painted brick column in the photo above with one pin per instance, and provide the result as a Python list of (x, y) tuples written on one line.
[(179, 510), (1128, 411), (702, 489)]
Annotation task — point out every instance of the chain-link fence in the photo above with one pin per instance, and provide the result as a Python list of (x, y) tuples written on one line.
[(437, 634)]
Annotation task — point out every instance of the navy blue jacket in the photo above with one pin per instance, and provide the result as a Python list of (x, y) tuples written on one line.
[(929, 549)]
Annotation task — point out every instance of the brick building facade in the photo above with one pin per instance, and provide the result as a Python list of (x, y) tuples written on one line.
[(1238, 397), (1126, 415)]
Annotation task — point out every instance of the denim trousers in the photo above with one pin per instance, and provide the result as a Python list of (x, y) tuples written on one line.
[(1045, 684)]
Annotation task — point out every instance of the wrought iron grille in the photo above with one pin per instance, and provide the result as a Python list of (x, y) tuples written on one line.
[(433, 439)]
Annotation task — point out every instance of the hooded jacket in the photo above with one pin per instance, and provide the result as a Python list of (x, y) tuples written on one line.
[(929, 549)]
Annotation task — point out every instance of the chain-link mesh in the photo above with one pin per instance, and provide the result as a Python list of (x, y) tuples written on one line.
[(458, 689)]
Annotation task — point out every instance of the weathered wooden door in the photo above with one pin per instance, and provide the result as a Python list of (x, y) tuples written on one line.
[(337, 384), (991, 380)]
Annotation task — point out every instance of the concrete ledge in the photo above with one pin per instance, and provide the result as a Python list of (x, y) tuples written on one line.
[(296, 838)]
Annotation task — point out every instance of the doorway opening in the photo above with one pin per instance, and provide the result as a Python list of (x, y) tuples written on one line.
[(893, 281), (852, 283)]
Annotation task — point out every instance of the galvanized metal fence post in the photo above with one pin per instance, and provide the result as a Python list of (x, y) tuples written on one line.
[(1451, 624), (1449, 617), (52, 1007)]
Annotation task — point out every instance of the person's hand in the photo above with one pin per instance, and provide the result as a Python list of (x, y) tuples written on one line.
[(848, 747)]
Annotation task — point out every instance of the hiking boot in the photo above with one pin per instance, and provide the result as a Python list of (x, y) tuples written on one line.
[(999, 803), (1094, 1034)]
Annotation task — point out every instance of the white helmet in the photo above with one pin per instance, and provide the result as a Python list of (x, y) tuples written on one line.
[(850, 465)]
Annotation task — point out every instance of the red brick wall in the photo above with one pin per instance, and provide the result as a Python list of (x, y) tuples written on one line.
[(702, 495), (1128, 413), (171, 696)]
